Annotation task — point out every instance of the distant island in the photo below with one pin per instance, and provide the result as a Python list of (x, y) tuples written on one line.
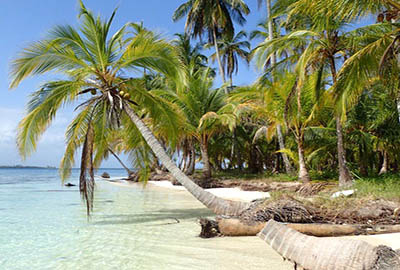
[(26, 167)]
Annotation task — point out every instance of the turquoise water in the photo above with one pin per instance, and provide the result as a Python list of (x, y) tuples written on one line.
[(43, 225)]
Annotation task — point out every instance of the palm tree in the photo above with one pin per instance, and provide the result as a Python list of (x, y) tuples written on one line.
[(269, 26), (196, 99), (320, 48), (286, 101), (215, 18), (231, 50), (91, 61)]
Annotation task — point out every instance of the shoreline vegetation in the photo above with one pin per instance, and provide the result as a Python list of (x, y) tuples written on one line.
[(327, 104)]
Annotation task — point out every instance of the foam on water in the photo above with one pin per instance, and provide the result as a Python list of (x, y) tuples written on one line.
[(44, 227)]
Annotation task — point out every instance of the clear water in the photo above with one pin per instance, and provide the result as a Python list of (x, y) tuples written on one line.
[(43, 225)]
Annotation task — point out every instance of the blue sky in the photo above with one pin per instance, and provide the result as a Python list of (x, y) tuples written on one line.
[(24, 21)]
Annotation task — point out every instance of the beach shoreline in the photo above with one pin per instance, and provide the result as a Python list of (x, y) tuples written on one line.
[(392, 240), (234, 193)]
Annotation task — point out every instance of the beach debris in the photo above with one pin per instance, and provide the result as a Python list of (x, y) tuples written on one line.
[(69, 185), (209, 228), (345, 193), (352, 218), (327, 253), (105, 175), (310, 189)]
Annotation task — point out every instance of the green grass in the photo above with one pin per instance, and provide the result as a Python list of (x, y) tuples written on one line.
[(384, 187), (264, 177), (375, 187)]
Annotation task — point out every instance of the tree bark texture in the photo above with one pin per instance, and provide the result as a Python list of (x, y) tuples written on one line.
[(206, 160), (314, 253)]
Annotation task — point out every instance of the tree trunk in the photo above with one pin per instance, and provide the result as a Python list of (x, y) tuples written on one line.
[(384, 167), (218, 205), (314, 253), (362, 162), (206, 160), (303, 172), (345, 178), (221, 69), (120, 161), (192, 162), (288, 166), (398, 106)]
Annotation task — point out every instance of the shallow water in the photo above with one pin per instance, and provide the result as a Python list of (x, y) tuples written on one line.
[(43, 225)]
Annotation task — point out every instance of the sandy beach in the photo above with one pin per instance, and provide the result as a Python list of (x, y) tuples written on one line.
[(391, 240)]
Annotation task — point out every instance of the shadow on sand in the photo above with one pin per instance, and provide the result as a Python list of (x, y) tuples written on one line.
[(162, 215)]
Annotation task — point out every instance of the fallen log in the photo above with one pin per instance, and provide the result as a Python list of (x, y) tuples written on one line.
[(235, 227), (315, 253)]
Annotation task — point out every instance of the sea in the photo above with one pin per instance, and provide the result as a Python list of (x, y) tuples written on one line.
[(43, 225)]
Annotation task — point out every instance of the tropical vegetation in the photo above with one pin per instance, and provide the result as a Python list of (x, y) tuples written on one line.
[(327, 101)]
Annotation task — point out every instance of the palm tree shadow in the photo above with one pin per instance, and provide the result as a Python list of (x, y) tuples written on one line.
[(161, 215)]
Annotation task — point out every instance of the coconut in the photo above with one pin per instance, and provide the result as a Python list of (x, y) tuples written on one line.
[(381, 17), (93, 91), (121, 93), (127, 96)]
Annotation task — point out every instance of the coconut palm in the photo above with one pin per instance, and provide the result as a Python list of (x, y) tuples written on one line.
[(269, 35), (285, 101), (93, 61), (195, 100), (231, 50), (213, 18)]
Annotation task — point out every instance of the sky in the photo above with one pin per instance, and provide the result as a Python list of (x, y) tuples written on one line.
[(25, 21)]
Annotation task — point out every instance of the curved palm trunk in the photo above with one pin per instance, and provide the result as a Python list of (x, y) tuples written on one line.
[(333, 253), (120, 161), (218, 205), (206, 160)]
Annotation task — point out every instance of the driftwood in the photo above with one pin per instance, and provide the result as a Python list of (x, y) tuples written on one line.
[(235, 227), (314, 253)]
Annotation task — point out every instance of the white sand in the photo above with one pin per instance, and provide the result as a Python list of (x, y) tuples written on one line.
[(392, 240), (226, 193)]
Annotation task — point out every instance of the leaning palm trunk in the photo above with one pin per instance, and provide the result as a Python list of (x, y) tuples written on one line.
[(120, 161), (314, 253), (345, 178), (218, 205)]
